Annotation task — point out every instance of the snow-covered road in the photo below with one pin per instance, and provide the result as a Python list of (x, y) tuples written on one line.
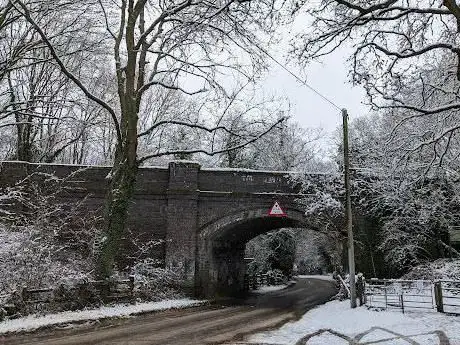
[(205, 325)]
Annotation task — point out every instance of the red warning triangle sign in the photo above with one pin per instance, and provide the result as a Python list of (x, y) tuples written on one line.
[(276, 211)]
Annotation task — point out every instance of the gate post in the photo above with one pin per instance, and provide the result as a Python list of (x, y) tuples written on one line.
[(438, 297)]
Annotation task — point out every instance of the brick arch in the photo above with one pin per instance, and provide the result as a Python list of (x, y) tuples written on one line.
[(222, 227), (220, 265)]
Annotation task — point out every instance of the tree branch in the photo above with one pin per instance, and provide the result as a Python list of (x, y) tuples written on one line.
[(26, 13), (212, 153)]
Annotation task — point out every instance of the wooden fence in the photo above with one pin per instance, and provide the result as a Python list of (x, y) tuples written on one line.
[(65, 297), (448, 296), (107, 290)]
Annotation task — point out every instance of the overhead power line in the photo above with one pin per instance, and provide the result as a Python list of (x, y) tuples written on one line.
[(299, 79)]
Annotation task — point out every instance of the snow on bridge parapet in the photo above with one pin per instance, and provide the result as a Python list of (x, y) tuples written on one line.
[(175, 204), (252, 181), (156, 179)]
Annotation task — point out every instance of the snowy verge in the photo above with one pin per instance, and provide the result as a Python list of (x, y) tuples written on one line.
[(336, 323), (270, 288), (34, 322), (441, 269), (321, 277)]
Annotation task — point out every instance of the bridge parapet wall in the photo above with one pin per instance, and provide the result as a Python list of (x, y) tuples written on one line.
[(147, 218), (245, 181), (186, 176), (171, 203), (92, 179)]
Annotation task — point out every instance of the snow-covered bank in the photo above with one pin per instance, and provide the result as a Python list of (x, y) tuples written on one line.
[(321, 277), (335, 324), (270, 288), (33, 322), (441, 269)]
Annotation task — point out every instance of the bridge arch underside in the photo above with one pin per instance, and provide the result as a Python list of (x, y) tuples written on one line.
[(220, 265)]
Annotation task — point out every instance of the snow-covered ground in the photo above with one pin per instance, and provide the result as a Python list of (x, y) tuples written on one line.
[(269, 288), (441, 269), (33, 322), (335, 324), (322, 277)]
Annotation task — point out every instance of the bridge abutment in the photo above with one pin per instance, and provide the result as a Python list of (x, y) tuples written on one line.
[(182, 219), (220, 269)]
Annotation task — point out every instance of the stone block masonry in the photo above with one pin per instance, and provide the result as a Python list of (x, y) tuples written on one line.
[(203, 216)]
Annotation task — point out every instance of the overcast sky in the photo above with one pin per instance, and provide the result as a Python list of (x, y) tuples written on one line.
[(330, 77)]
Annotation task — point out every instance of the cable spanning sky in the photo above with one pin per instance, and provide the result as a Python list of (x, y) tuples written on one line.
[(328, 77)]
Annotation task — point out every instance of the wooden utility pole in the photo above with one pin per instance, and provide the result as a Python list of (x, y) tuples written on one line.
[(351, 248)]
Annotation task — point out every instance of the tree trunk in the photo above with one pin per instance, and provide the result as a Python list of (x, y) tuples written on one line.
[(125, 167), (23, 146), (123, 179), (119, 197), (23, 130)]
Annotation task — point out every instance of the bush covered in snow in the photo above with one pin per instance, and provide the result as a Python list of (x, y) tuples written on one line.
[(27, 258), (49, 243), (44, 240), (276, 277), (441, 269), (155, 283)]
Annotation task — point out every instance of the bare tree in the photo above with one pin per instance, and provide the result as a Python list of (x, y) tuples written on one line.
[(40, 107), (176, 45), (406, 56), (325, 212), (414, 215)]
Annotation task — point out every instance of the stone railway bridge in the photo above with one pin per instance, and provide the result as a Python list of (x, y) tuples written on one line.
[(204, 216)]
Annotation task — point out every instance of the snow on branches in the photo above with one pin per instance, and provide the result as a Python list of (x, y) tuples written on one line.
[(45, 239)]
